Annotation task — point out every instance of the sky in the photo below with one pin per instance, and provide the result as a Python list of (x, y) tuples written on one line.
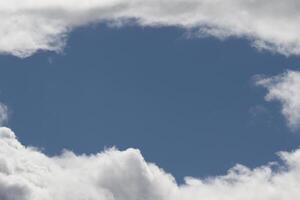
[(128, 100)]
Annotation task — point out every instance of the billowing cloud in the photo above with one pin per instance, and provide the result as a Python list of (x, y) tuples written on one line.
[(3, 114), (28, 174), (27, 26), (285, 88)]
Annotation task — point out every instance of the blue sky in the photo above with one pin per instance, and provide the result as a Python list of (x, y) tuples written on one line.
[(194, 95), (152, 89)]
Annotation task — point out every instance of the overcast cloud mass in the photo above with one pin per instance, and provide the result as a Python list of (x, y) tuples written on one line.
[(285, 88), (28, 174), (27, 26)]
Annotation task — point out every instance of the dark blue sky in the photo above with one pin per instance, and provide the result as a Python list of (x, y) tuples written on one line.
[(189, 105)]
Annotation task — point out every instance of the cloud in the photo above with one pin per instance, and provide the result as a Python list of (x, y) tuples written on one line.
[(3, 114), (285, 88), (28, 174), (27, 26)]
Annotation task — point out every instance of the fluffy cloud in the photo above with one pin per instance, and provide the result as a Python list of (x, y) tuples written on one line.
[(27, 26), (28, 174), (286, 89), (3, 113)]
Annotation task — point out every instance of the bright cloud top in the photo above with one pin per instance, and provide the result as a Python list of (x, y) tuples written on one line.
[(286, 89), (3, 114), (28, 174), (27, 26)]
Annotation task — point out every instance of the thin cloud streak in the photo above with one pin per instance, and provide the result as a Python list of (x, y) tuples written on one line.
[(3, 114)]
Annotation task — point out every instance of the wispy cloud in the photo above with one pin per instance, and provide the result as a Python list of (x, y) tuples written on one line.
[(285, 88), (3, 114), (27, 174), (27, 26)]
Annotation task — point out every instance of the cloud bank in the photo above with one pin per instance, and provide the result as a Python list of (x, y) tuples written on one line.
[(285, 88), (3, 114), (28, 174), (27, 26)]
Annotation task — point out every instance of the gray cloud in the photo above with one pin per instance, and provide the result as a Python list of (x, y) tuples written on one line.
[(27, 26), (285, 88), (28, 174)]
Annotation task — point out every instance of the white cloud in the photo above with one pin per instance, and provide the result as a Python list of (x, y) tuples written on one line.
[(27, 26), (285, 88), (27, 174), (3, 114)]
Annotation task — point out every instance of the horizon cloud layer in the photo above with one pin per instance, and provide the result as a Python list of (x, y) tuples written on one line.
[(28, 174), (27, 26)]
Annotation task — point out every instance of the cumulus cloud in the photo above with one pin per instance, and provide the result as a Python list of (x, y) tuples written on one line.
[(27, 26), (28, 174), (3, 114), (285, 88)]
